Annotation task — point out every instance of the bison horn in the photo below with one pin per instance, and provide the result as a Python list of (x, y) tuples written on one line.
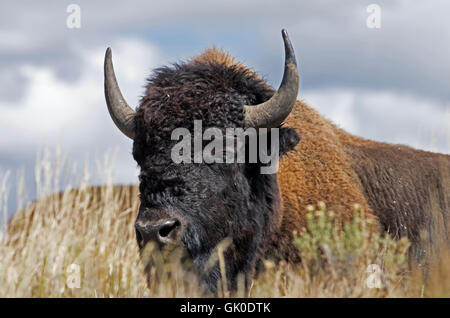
[(121, 113), (273, 112)]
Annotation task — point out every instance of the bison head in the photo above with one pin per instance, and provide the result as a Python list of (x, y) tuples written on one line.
[(198, 205)]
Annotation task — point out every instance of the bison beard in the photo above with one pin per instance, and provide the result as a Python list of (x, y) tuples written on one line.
[(398, 187)]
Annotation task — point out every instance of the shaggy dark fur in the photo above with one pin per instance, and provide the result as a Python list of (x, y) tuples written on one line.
[(214, 201), (409, 192)]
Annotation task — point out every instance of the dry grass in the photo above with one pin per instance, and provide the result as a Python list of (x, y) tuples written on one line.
[(90, 230)]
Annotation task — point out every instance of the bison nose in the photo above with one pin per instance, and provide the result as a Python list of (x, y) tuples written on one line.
[(163, 232)]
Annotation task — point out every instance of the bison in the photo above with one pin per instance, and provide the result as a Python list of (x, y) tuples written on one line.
[(404, 191)]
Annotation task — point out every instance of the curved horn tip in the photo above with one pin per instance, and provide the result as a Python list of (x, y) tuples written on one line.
[(108, 53), (121, 113), (288, 48), (274, 111)]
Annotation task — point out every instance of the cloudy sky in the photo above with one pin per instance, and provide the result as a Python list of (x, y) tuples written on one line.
[(390, 83)]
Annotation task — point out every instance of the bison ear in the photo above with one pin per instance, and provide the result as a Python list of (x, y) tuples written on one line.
[(289, 138)]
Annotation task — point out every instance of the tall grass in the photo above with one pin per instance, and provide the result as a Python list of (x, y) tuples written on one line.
[(81, 243), (88, 229)]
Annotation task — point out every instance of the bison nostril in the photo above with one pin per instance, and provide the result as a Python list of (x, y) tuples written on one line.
[(167, 227), (163, 232)]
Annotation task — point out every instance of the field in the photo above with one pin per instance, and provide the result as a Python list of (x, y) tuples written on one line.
[(81, 243)]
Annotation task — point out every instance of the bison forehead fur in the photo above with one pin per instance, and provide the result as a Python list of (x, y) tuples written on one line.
[(212, 92)]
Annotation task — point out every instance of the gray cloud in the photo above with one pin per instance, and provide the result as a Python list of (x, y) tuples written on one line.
[(409, 53)]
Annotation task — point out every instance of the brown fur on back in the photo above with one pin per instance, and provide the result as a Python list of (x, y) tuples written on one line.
[(318, 170), (409, 190), (405, 190)]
